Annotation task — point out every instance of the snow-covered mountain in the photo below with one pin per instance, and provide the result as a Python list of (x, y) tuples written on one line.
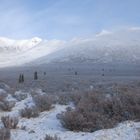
[(118, 47), (10, 45)]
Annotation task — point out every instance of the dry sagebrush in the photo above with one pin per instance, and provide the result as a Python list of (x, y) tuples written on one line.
[(48, 137), (30, 112), (5, 134), (43, 102), (7, 105), (98, 111), (9, 122)]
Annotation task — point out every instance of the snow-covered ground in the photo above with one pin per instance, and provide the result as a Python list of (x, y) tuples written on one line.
[(47, 123)]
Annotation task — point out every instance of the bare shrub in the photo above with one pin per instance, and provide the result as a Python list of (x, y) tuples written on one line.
[(43, 102), (66, 98), (10, 122), (4, 86), (71, 120), (48, 137), (29, 112), (7, 105), (76, 97), (5, 134), (96, 111), (20, 95), (3, 94)]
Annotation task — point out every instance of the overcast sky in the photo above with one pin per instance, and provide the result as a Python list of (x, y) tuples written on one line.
[(65, 19)]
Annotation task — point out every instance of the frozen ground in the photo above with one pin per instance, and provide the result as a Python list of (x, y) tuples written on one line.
[(47, 123), (62, 78)]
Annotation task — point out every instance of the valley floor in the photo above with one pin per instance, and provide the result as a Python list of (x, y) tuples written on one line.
[(65, 80), (48, 124)]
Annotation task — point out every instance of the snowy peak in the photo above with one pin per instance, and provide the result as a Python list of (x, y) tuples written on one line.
[(10, 45), (106, 47), (5, 41), (36, 40), (121, 46)]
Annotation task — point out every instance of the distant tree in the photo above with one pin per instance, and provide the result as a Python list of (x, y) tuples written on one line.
[(76, 73), (21, 78), (103, 72), (44, 73), (35, 76)]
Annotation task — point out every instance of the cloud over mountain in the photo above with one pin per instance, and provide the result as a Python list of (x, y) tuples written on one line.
[(121, 46)]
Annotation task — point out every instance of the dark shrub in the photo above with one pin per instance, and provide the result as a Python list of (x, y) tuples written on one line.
[(43, 102), (29, 112), (5, 134), (48, 137), (10, 122), (20, 95), (3, 94), (66, 98), (98, 111), (7, 105)]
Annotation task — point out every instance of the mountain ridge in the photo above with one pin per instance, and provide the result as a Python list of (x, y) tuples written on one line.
[(106, 47)]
